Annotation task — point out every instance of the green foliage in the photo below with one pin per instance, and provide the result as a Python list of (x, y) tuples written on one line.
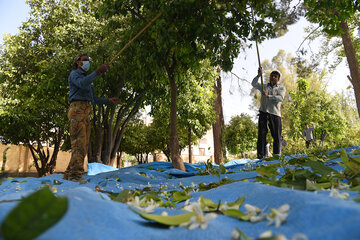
[(352, 167), (240, 134), (34, 215), (314, 106), (180, 40), (215, 26), (136, 139), (35, 63), (311, 172), (339, 22), (223, 181), (158, 133), (211, 169), (195, 108), (329, 13)]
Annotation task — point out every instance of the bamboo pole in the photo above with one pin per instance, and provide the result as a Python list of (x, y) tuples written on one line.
[(258, 52), (135, 37)]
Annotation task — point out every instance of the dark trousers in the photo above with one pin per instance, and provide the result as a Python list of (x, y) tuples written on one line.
[(308, 142), (274, 123)]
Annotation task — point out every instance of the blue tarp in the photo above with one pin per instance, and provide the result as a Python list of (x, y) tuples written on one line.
[(92, 215)]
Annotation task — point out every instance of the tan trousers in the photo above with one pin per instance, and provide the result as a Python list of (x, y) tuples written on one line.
[(79, 117)]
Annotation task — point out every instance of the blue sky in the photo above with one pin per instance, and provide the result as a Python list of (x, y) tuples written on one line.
[(14, 12)]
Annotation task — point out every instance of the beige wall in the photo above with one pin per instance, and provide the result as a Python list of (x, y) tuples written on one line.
[(19, 159)]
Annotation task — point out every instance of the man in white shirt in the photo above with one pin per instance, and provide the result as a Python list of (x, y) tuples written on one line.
[(270, 112)]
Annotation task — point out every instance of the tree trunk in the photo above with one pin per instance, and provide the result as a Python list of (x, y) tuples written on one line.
[(138, 159), (218, 125), (108, 132), (52, 164), (94, 153), (39, 156), (189, 143), (119, 131), (107, 140), (47, 164), (4, 159), (352, 61), (175, 156), (119, 159), (112, 161), (167, 154)]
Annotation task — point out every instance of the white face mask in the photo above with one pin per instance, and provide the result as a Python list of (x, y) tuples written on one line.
[(85, 65)]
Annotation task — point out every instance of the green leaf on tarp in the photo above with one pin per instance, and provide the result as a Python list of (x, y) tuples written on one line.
[(356, 188), (299, 173), (208, 204), (356, 152), (34, 215), (243, 236), (345, 158), (222, 169), (236, 214), (267, 171), (174, 220), (218, 175), (180, 196), (123, 196), (319, 167), (12, 179), (204, 187), (317, 186), (264, 180), (152, 196), (57, 182), (355, 162), (237, 203), (350, 163)]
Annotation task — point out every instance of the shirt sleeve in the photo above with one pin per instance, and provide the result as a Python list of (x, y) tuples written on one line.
[(255, 83), (279, 97), (82, 81), (99, 100)]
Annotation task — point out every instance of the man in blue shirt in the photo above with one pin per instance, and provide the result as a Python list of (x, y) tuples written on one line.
[(81, 98)]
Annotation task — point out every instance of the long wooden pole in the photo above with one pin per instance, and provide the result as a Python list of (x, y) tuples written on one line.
[(135, 37), (258, 52)]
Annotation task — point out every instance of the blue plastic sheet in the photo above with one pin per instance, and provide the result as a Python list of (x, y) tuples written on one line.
[(92, 215)]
